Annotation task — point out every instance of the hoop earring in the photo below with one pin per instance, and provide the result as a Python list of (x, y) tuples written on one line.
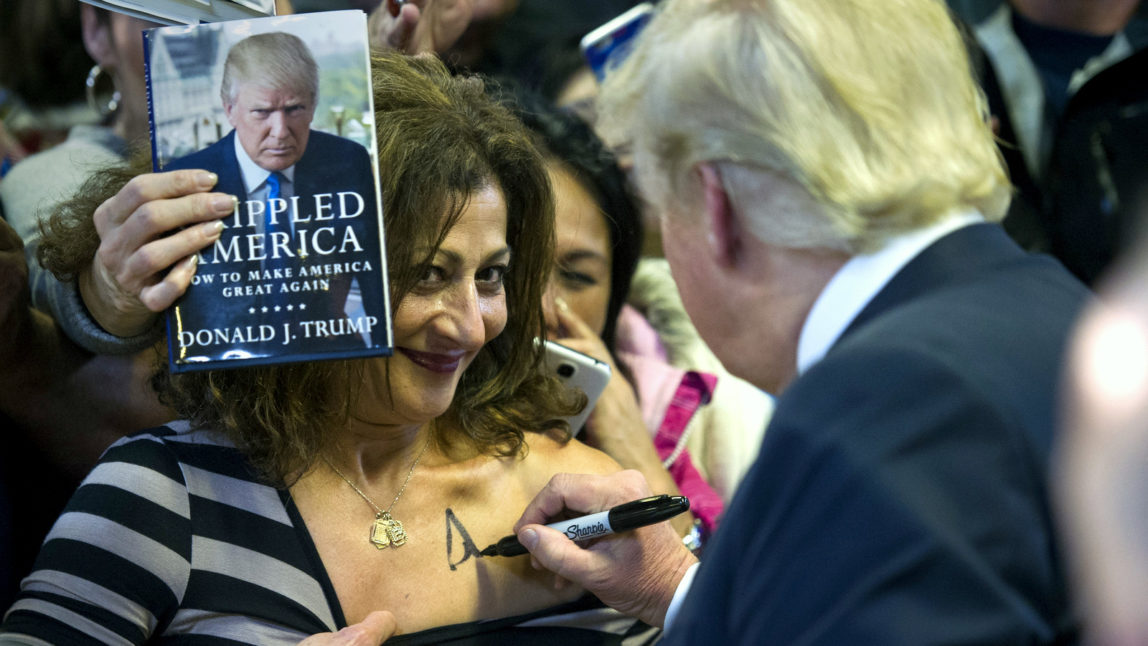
[(107, 107)]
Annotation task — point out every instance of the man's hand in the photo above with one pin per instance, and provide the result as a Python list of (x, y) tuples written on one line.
[(418, 26), (635, 573), (150, 233), (375, 629)]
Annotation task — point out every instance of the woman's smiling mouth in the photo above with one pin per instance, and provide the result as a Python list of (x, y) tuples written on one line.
[(441, 363)]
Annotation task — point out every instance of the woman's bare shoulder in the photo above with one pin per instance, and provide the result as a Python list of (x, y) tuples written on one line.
[(548, 454)]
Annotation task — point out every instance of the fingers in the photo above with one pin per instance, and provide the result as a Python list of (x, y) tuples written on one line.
[(161, 295), (377, 627), (134, 254), (147, 232), (402, 34), (158, 218), (553, 551), (149, 187), (134, 262), (374, 629), (581, 494), (570, 322), (393, 24)]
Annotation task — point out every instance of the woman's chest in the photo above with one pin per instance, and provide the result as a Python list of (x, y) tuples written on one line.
[(437, 575)]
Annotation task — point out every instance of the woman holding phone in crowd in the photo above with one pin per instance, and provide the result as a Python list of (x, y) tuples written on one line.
[(670, 410)]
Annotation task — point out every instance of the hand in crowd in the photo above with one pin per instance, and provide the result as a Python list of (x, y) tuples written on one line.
[(376, 628), (615, 426), (418, 26), (635, 573), (147, 254)]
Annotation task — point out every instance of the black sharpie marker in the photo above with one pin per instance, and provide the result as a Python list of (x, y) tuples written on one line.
[(622, 518)]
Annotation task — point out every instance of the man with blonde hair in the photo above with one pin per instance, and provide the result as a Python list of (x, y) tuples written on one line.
[(829, 191)]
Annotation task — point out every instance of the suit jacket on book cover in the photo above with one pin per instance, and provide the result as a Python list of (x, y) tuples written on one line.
[(281, 110)]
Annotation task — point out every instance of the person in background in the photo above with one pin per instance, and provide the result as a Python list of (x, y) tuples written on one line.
[(303, 499), (42, 70), (1063, 83), (828, 188), (41, 181), (663, 412)]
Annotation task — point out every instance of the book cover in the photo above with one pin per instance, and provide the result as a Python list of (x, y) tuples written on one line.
[(281, 109), (188, 12)]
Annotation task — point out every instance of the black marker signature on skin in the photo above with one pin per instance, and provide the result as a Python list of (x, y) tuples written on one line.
[(469, 549)]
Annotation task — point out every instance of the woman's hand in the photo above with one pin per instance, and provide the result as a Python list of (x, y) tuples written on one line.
[(615, 425), (375, 629), (418, 26), (150, 234)]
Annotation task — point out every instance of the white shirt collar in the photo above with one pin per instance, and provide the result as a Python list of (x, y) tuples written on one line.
[(253, 174), (859, 280)]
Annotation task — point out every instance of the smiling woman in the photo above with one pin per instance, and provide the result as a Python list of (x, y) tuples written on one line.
[(297, 500)]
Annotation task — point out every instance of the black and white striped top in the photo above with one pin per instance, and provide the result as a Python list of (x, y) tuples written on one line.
[(171, 539)]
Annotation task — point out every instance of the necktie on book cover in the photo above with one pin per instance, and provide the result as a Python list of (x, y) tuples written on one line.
[(277, 225)]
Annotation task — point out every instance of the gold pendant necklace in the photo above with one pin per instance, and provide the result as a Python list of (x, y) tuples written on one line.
[(385, 531)]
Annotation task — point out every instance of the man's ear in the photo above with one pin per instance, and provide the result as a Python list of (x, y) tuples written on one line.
[(723, 234), (97, 34)]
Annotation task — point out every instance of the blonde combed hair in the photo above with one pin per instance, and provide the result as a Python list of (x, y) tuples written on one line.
[(870, 105)]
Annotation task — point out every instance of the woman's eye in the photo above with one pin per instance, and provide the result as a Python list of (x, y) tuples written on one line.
[(492, 275), (576, 279), (432, 276)]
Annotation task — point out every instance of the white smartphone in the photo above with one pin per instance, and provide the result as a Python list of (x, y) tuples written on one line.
[(608, 44), (579, 371)]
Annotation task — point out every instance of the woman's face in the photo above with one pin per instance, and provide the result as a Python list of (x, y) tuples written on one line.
[(454, 310), (584, 258)]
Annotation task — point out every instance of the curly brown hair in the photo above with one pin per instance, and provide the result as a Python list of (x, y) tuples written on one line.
[(440, 140)]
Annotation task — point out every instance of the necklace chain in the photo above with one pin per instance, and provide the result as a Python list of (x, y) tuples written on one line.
[(385, 530)]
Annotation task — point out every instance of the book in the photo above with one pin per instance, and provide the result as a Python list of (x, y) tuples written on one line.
[(188, 12), (281, 109)]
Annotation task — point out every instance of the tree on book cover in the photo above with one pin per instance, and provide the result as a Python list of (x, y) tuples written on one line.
[(281, 110)]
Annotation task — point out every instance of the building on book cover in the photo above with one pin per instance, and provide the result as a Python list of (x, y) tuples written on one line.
[(281, 110)]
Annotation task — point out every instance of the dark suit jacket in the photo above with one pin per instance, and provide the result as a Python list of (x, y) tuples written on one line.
[(330, 164), (900, 495)]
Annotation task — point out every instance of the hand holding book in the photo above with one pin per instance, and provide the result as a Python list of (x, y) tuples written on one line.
[(281, 110), (150, 233)]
